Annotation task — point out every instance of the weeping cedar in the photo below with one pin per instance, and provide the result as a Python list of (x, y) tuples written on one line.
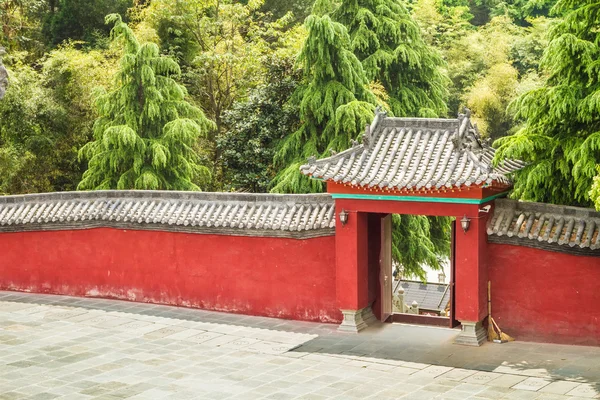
[(146, 132), (388, 42), (560, 136), (336, 104)]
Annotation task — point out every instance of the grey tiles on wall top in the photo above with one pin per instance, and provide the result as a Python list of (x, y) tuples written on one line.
[(561, 228), (197, 211)]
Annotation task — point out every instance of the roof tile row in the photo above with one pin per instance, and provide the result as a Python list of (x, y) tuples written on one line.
[(559, 226), (210, 210)]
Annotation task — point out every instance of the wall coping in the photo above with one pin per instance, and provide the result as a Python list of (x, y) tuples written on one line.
[(573, 230), (243, 214)]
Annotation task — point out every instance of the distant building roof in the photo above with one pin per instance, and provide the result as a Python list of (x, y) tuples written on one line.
[(415, 154), (429, 296), (237, 214), (546, 226)]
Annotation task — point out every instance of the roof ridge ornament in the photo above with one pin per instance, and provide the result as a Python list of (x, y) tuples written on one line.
[(366, 139)]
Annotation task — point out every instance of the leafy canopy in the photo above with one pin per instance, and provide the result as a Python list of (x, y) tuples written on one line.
[(254, 126), (146, 131), (560, 137), (335, 103), (388, 42)]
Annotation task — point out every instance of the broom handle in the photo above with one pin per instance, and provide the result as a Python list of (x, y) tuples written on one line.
[(490, 299)]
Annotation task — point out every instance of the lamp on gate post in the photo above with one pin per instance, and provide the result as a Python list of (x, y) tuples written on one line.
[(465, 223), (343, 216)]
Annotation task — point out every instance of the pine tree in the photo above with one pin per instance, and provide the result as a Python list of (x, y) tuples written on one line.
[(146, 132), (335, 103), (560, 137), (388, 42)]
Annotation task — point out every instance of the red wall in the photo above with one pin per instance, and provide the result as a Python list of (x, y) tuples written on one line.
[(276, 277), (545, 296)]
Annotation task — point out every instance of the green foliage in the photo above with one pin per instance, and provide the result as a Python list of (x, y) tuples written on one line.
[(560, 137), (146, 132), (36, 142), (81, 20), (522, 10), (388, 42), (335, 103), (255, 124), (300, 9), (221, 45), (418, 241), (20, 22), (442, 24)]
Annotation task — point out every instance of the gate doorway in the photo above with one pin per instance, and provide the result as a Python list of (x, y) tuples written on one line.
[(405, 300), (413, 166)]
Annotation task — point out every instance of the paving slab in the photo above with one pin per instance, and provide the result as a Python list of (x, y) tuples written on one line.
[(73, 348)]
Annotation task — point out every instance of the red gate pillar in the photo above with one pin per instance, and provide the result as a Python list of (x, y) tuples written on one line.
[(352, 271), (471, 280)]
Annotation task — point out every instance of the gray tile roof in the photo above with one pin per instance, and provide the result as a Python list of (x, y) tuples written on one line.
[(243, 214), (429, 296), (546, 226), (415, 154)]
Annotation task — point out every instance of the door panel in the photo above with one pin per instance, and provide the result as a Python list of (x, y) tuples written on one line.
[(385, 267), (453, 321)]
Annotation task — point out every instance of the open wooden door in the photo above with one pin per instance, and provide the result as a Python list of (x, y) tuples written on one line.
[(453, 321), (385, 268)]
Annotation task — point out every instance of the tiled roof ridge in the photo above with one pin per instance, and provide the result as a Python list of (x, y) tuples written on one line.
[(195, 212), (547, 226)]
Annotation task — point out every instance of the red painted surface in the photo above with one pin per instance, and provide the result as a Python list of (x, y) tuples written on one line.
[(470, 290), (545, 296), (276, 277), (353, 267), (352, 261)]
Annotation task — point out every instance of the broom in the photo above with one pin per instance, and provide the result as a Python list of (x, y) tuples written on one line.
[(495, 334)]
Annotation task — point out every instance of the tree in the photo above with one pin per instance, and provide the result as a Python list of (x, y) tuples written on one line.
[(221, 45), (418, 240), (560, 136), (81, 19), (146, 132), (35, 139), (388, 42), (522, 10), (255, 124), (279, 8), (335, 103), (20, 22)]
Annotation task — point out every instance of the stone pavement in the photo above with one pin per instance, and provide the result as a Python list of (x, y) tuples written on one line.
[(72, 348)]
